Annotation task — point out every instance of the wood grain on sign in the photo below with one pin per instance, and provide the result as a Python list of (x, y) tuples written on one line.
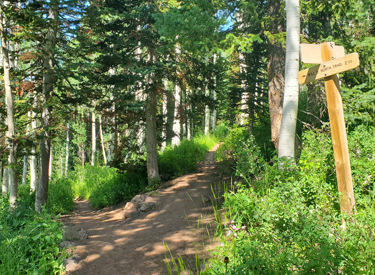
[(329, 68), (311, 53)]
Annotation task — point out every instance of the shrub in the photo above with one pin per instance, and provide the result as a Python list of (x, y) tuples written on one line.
[(120, 188), (182, 159), (294, 225), (29, 242), (60, 197)]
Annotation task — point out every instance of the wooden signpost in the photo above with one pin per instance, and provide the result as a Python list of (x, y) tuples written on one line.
[(332, 60)]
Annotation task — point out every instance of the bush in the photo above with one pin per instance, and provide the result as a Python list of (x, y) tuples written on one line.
[(85, 180), (221, 132), (120, 188), (182, 159), (29, 242), (60, 197), (294, 224)]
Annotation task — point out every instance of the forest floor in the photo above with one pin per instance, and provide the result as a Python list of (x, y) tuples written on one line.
[(183, 220)]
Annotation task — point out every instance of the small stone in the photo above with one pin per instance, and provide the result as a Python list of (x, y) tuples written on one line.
[(138, 199), (130, 210), (74, 233), (67, 244), (147, 206)]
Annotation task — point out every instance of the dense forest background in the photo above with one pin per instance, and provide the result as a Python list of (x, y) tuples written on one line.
[(95, 95)]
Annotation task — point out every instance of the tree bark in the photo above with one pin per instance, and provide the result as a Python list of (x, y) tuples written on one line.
[(67, 150), (290, 105), (13, 186), (33, 160), (24, 172), (170, 117), (101, 140), (112, 136), (152, 162), (93, 138), (276, 68), (207, 113), (5, 182), (41, 196)]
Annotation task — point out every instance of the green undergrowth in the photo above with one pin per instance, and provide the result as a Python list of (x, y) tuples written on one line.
[(289, 222), (106, 186), (183, 159), (29, 242)]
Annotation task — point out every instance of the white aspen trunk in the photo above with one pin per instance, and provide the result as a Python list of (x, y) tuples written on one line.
[(101, 140), (33, 160), (1, 177), (290, 104), (93, 138), (41, 195), (188, 119), (164, 112), (13, 186), (207, 114), (177, 101), (244, 116), (176, 119), (214, 112), (5, 185), (50, 162), (67, 150), (24, 172)]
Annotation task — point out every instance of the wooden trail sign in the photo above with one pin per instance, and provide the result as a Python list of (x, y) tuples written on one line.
[(328, 69)]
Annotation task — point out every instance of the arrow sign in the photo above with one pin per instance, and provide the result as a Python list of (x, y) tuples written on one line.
[(311, 53), (329, 68)]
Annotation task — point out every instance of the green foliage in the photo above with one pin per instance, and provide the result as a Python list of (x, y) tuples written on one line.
[(182, 159), (221, 132), (60, 197), (85, 180), (120, 188), (29, 242), (292, 224)]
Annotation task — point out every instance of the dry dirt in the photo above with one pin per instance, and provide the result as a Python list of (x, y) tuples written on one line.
[(182, 218)]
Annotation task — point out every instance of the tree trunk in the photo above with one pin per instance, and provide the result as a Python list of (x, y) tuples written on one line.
[(112, 136), (41, 196), (152, 162), (24, 172), (101, 140), (170, 117), (165, 118), (93, 138), (290, 105), (207, 113), (214, 112), (13, 187), (33, 160), (276, 69), (176, 118), (5, 185), (67, 150)]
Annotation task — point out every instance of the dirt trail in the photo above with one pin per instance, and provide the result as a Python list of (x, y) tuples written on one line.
[(135, 246)]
